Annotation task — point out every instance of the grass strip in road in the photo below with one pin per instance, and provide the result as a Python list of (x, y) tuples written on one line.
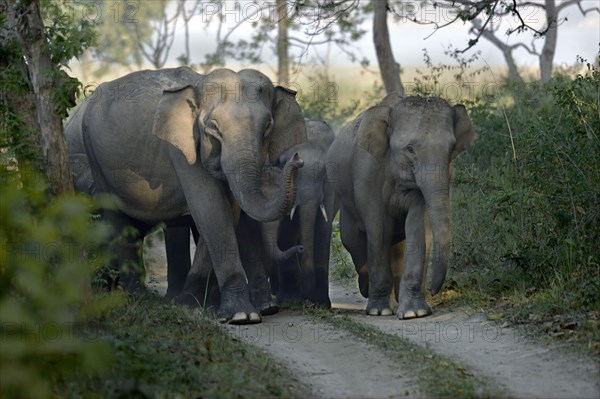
[(437, 376), (163, 350)]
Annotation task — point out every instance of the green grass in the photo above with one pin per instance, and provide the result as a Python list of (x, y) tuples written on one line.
[(163, 350), (435, 376)]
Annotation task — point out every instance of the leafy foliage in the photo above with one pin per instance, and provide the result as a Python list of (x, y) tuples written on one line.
[(125, 30), (309, 22), (68, 38), (528, 219), (48, 251)]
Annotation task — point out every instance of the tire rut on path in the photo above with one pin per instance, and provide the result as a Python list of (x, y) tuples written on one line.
[(333, 363), (501, 354), (330, 363)]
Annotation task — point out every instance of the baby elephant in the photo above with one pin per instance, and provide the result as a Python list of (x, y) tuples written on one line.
[(390, 170)]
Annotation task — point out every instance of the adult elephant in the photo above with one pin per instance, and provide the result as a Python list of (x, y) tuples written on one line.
[(390, 168), (172, 142), (293, 252)]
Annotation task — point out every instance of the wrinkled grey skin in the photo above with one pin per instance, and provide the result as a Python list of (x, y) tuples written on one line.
[(310, 226), (270, 248), (390, 168), (171, 143)]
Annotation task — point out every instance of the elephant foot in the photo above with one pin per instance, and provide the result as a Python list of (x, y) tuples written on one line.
[(236, 308), (247, 317), (324, 303), (412, 307), (321, 301), (287, 297), (262, 300), (268, 308), (379, 307)]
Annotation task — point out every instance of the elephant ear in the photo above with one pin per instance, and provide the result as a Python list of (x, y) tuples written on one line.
[(289, 128), (174, 120), (372, 133), (464, 132)]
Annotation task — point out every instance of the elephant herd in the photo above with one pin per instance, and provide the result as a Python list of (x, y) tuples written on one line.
[(229, 157)]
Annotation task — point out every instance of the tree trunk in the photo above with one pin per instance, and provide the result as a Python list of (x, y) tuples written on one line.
[(19, 102), (388, 68), (547, 56), (283, 68), (507, 51), (30, 28)]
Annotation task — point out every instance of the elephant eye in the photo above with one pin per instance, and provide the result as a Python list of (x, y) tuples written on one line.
[(212, 127), (410, 149)]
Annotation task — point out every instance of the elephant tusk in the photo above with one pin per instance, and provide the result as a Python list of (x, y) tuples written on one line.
[(322, 207), (292, 212)]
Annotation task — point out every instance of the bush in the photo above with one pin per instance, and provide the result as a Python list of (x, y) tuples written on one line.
[(526, 195), (48, 252)]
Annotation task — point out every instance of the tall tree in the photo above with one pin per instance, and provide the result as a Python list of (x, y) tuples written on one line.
[(290, 29), (26, 19), (156, 47), (188, 9), (133, 31), (388, 67), (32, 53), (483, 15), (283, 58)]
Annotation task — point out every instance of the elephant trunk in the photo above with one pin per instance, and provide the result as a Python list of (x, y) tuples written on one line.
[(245, 183), (269, 232), (437, 201), (279, 255), (308, 215)]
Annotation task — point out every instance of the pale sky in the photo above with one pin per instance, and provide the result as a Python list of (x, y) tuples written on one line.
[(577, 36)]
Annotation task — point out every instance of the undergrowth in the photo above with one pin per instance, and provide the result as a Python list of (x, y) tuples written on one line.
[(526, 235), (164, 350)]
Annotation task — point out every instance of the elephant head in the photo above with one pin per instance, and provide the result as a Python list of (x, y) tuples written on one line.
[(231, 123), (416, 138)]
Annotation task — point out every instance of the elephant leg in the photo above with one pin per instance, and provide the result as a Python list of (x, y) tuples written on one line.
[(201, 287), (380, 281), (411, 298), (288, 271), (253, 259), (211, 209), (355, 242), (308, 216), (397, 267), (379, 237), (177, 243), (322, 253), (127, 254)]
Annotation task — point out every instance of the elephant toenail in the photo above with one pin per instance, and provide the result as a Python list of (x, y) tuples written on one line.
[(386, 312), (238, 317), (410, 314), (254, 317)]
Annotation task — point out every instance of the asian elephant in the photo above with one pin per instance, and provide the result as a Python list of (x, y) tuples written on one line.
[(390, 170), (171, 142), (309, 225), (269, 249)]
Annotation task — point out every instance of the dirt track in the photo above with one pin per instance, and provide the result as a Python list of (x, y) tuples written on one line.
[(332, 363)]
